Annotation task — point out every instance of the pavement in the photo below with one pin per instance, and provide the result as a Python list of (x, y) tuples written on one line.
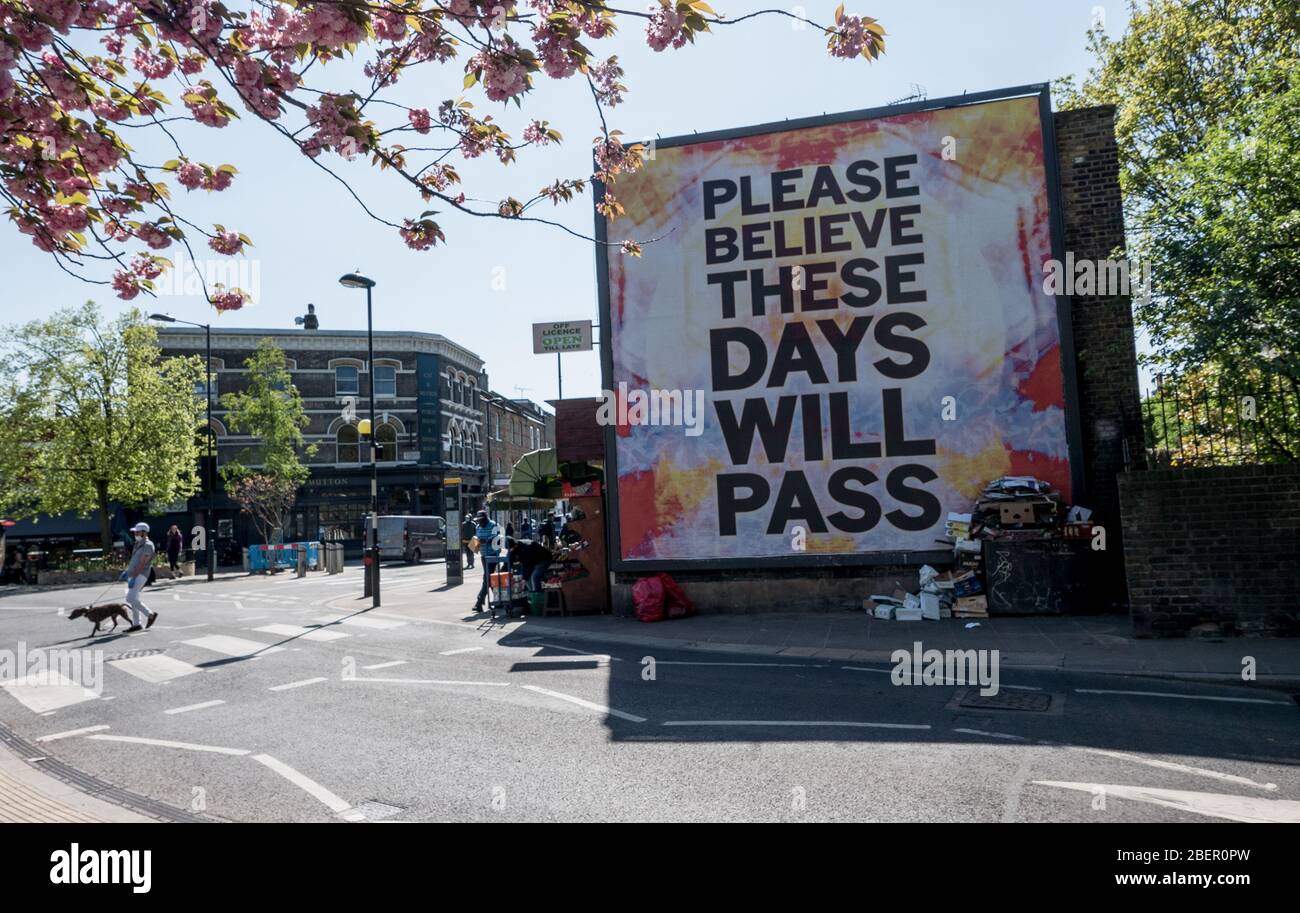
[(1098, 643), (280, 699)]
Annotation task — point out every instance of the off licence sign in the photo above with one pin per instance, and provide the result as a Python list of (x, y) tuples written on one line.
[(570, 336)]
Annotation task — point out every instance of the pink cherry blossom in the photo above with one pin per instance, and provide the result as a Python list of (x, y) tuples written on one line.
[(226, 242), (666, 27)]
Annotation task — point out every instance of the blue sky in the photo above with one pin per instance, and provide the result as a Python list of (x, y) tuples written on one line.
[(307, 230)]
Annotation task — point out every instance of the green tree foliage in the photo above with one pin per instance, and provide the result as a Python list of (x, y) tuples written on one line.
[(1207, 96), (264, 479), (91, 413)]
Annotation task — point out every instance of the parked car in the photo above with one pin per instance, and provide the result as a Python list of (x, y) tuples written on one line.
[(410, 539)]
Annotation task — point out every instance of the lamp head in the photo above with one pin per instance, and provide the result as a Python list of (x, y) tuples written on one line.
[(356, 280)]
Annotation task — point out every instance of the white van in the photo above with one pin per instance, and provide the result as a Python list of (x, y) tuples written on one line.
[(410, 539)]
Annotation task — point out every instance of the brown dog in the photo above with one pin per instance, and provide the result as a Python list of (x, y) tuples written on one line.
[(100, 613)]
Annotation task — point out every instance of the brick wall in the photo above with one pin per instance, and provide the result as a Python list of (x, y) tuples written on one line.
[(1216, 545), (1105, 352)]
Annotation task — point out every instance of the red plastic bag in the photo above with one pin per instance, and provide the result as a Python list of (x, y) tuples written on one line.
[(676, 601), (659, 597), (648, 599)]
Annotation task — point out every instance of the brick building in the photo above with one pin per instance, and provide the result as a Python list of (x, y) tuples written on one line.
[(514, 427), (429, 417)]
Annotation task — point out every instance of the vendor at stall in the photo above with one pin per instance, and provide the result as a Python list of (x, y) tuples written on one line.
[(532, 558)]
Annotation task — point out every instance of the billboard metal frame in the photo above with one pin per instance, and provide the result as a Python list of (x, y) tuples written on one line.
[(1073, 422)]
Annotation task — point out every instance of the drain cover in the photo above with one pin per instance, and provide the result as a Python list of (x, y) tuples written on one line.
[(1004, 701), (135, 654), (378, 811)]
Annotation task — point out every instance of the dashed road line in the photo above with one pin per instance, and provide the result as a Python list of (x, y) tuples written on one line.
[(305, 681), (993, 735), (453, 652), (203, 706), (798, 723), (396, 662), (1187, 697), (425, 681)]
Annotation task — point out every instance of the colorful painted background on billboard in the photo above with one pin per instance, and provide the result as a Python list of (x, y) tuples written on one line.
[(955, 377)]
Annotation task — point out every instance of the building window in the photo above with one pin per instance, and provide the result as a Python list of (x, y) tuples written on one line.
[(496, 419), (386, 438), (348, 449), (385, 381), (345, 381), (455, 388)]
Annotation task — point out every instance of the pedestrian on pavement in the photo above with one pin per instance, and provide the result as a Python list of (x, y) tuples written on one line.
[(467, 531), (136, 575), (548, 531), (533, 559), (487, 532), (174, 543)]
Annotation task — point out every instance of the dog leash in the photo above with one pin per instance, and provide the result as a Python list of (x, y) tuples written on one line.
[(106, 589)]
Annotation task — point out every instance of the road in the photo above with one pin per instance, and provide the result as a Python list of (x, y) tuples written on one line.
[(278, 699)]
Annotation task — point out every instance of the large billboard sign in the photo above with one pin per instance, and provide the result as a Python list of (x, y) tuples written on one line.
[(839, 335)]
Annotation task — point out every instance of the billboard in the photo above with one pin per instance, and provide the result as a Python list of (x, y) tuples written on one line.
[(838, 336)]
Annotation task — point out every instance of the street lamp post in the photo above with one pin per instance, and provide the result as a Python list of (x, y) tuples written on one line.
[(355, 280), (210, 481)]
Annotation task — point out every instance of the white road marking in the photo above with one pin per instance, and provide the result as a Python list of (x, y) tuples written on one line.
[(155, 669), (45, 692), (30, 608), (70, 733), (304, 633), (162, 743), (305, 681), (250, 618), (1187, 697), (1252, 809), (396, 662), (425, 681), (232, 646), (605, 656), (203, 706), (945, 681), (449, 653), (813, 723), (305, 783), (995, 735), (361, 621), (178, 627), (673, 662), (1181, 768), (600, 708)]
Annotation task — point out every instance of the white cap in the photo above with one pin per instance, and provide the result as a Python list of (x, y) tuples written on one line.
[(140, 528)]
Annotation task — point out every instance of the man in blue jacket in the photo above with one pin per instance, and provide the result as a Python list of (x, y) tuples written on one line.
[(490, 545)]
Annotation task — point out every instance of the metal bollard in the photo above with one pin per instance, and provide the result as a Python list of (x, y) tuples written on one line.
[(302, 561)]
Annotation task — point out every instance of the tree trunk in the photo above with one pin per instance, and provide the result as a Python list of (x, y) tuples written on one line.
[(105, 534)]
